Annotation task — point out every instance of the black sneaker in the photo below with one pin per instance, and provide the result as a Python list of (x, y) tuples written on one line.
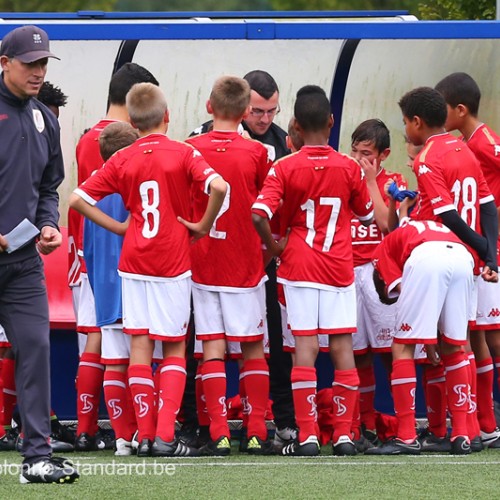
[(257, 446), (61, 432), (8, 440), (243, 446), (144, 448), (86, 442), (105, 439), (49, 470), (188, 434), (460, 446), (344, 447), (371, 435), (203, 436), (362, 444), (219, 448), (396, 447), (308, 448), (432, 443), (175, 448), (283, 437), (476, 445)]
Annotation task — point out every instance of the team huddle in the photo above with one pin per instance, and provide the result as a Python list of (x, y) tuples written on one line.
[(245, 237)]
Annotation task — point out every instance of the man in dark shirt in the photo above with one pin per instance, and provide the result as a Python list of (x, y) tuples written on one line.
[(31, 169)]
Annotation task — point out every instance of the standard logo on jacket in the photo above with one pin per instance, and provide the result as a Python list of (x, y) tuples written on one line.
[(38, 120)]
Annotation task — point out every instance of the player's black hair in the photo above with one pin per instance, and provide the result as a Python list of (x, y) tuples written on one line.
[(460, 88), (262, 82), (312, 108), (50, 95), (381, 289), (374, 131), (426, 103), (123, 80)]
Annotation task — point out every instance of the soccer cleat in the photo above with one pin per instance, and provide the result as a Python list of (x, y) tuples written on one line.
[(284, 436), (85, 442), (476, 445), (396, 446), (460, 445), (371, 436), (308, 448), (105, 439), (144, 448), (243, 446), (344, 447), (123, 448), (219, 448), (257, 446), (175, 448), (491, 439), (362, 444), (431, 443), (8, 440), (62, 432), (135, 441), (60, 446), (49, 470), (188, 434)]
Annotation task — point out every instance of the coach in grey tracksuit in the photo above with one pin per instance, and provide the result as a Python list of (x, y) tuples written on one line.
[(31, 169)]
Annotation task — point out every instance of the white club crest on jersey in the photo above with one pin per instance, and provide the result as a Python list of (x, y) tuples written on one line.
[(461, 391), (272, 172), (143, 406), (412, 394), (88, 406), (423, 169), (341, 407), (38, 120), (115, 408), (196, 153), (311, 399), (222, 402)]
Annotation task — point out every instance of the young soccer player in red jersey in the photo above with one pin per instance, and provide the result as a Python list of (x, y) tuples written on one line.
[(229, 294), (154, 177), (430, 269), (370, 145), (318, 189), (462, 96), (452, 190)]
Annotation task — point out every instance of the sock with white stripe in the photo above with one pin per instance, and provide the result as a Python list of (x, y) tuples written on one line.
[(472, 420), (213, 376), (172, 384), (435, 398), (304, 382), (404, 385), (140, 381), (255, 373), (485, 410), (115, 395), (345, 391), (367, 396)]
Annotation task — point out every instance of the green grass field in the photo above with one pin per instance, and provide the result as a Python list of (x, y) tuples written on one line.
[(104, 476)]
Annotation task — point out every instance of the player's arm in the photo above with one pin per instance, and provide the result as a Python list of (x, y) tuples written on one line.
[(96, 215), (263, 228), (489, 227), (217, 190), (381, 211)]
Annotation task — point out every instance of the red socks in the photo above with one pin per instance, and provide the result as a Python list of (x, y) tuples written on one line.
[(367, 396), (201, 404), (140, 380), (9, 390), (485, 411), (435, 398), (304, 400), (213, 375), (472, 421), (88, 387), (172, 384), (344, 394), (255, 373), (115, 394), (404, 385)]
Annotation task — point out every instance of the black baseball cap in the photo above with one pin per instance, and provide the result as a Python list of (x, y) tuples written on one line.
[(27, 43)]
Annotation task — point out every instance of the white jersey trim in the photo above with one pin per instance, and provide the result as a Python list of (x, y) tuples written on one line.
[(230, 289), (82, 194), (262, 206), (146, 277), (445, 208), (209, 180), (365, 217), (488, 198)]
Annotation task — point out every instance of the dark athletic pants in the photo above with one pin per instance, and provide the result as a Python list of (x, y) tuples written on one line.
[(24, 313)]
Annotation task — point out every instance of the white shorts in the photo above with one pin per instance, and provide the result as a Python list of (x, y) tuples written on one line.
[(376, 321), (488, 305), (81, 337), (436, 290), (289, 339), (313, 311), (158, 308), (86, 317), (237, 317), (3, 338)]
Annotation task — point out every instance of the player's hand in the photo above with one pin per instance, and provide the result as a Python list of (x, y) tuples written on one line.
[(433, 354), (281, 244), (50, 239), (369, 168), (489, 275), (3, 243), (196, 230), (386, 188)]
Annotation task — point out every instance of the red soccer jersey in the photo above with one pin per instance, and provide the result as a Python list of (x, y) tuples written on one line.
[(485, 144), (365, 239), (154, 177), (88, 159), (320, 189), (390, 256), (449, 177), (231, 255)]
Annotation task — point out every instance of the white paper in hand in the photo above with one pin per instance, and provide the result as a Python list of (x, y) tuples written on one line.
[(24, 232)]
